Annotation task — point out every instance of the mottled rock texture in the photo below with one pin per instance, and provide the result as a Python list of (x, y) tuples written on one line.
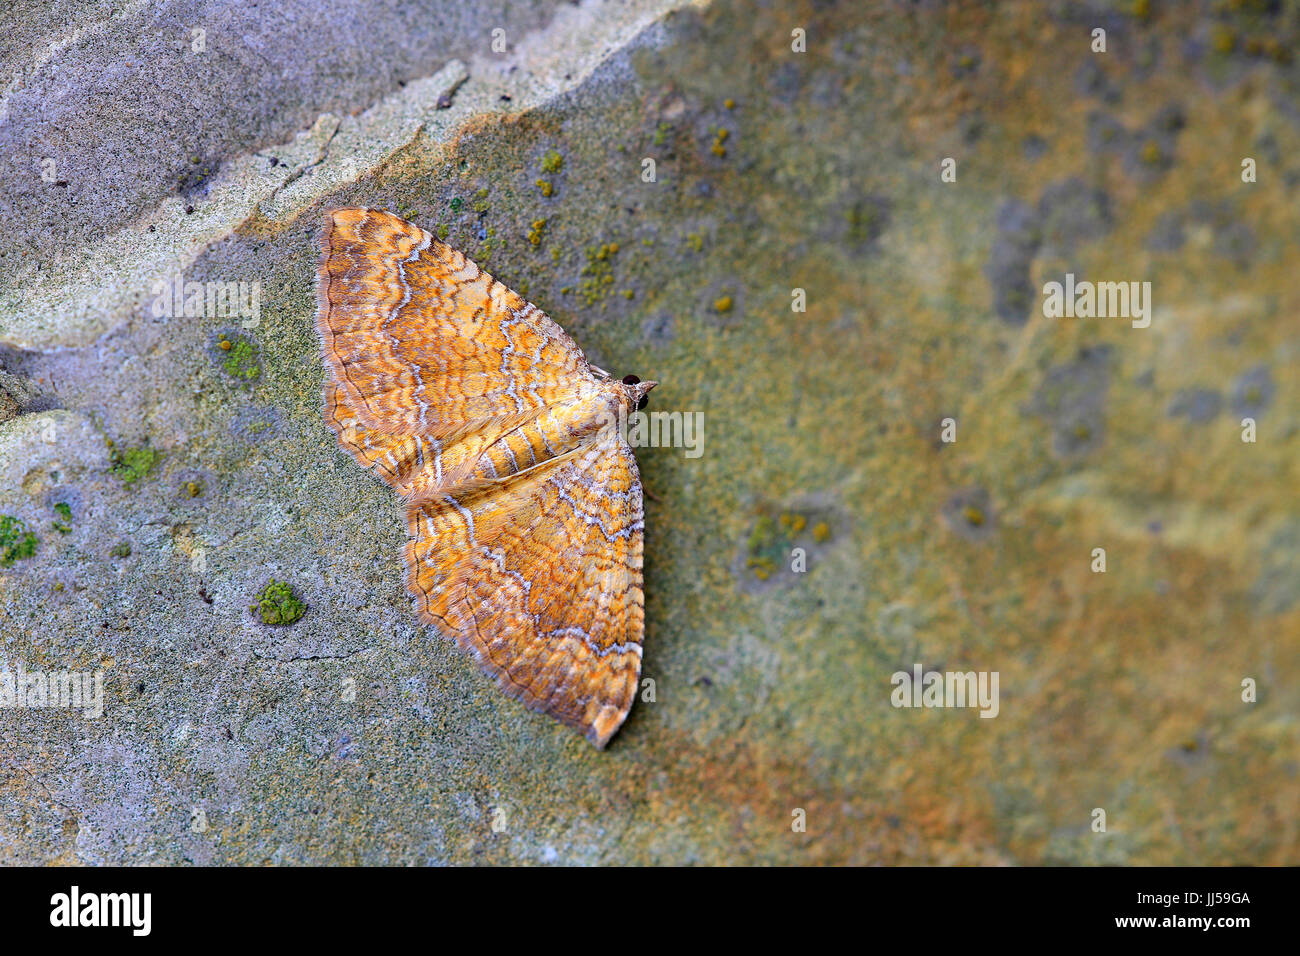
[(196, 474)]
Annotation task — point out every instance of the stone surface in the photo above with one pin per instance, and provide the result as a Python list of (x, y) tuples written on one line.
[(355, 735)]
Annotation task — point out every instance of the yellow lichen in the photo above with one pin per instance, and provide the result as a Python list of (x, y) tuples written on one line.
[(535, 233), (552, 162)]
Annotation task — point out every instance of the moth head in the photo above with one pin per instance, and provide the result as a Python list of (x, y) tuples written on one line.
[(636, 390)]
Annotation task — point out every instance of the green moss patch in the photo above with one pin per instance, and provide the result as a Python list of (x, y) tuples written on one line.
[(64, 523), (241, 361), (16, 542), (277, 604), (132, 464)]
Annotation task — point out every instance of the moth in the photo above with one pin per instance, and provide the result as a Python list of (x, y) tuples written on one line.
[(523, 500)]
